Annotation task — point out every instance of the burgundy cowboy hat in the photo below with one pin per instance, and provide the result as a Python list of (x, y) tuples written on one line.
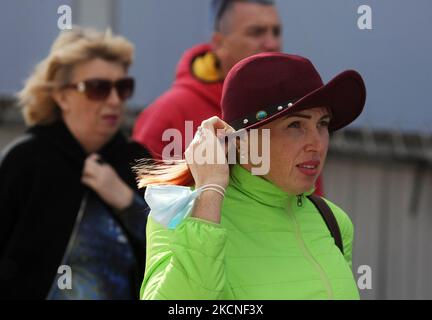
[(266, 86)]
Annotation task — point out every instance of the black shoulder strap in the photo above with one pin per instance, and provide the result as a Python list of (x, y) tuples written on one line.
[(329, 218)]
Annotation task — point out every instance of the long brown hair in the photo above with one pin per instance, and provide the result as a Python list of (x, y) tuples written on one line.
[(162, 172)]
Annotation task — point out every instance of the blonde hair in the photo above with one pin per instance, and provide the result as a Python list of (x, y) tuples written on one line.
[(69, 49)]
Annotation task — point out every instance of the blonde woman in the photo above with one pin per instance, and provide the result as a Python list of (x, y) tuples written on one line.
[(67, 192)]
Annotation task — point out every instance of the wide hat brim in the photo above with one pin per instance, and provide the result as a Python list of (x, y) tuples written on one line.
[(344, 96)]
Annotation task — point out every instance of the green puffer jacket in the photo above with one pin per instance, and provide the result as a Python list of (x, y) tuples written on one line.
[(269, 245)]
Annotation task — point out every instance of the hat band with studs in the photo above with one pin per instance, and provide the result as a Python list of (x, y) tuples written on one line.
[(261, 115)]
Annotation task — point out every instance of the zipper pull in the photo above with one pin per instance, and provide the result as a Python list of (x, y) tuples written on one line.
[(299, 200)]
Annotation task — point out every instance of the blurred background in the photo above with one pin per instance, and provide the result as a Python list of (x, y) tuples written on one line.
[(378, 169)]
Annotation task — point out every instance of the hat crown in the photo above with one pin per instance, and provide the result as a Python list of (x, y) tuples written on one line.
[(264, 80)]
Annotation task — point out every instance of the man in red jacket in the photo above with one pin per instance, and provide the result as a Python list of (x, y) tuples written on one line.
[(241, 28)]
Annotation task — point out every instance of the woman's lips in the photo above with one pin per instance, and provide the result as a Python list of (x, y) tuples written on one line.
[(111, 119), (309, 168)]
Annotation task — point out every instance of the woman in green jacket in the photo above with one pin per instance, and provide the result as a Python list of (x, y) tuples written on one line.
[(251, 232)]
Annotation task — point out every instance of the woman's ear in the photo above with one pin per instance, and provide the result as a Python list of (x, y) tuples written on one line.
[(60, 98)]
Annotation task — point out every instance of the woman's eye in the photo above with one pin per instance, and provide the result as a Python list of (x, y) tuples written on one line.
[(324, 123), (295, 124)]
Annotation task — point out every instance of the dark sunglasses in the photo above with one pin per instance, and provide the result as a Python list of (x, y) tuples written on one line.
[(100, 89)]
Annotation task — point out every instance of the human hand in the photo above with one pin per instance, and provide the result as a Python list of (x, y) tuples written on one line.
[(103, 179), (206, 155)]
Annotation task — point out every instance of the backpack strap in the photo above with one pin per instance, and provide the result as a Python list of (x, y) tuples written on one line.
[(329, 219)]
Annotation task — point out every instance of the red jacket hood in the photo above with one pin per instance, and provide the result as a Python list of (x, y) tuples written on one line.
[(184, 77)]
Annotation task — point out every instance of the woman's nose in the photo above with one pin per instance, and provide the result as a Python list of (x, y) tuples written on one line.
[(113, 98), (315, 140)]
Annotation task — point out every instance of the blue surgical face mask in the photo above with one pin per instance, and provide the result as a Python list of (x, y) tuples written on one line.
[(170, 204)]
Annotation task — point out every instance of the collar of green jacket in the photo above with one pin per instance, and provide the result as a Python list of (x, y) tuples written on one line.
[(260, 189)]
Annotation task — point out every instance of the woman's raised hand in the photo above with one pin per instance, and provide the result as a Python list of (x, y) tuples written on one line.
[(206, 155), (206, 158)]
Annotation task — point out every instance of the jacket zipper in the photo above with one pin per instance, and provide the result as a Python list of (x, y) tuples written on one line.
[(299, 200), (307, 253)]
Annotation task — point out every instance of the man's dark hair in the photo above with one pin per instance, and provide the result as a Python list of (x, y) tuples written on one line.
[(220, 7)]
